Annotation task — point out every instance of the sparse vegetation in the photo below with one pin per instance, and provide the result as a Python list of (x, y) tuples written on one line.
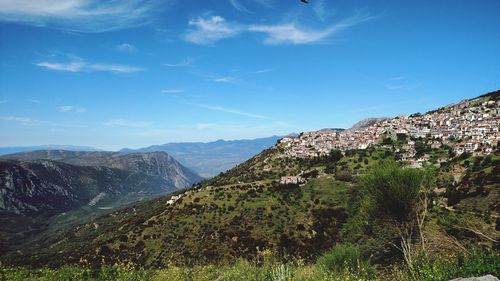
[(342, 263)]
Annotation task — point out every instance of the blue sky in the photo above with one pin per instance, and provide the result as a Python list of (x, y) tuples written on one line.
[(114, 74)]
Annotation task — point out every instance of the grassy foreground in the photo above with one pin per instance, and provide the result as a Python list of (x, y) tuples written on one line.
[(342, 263)]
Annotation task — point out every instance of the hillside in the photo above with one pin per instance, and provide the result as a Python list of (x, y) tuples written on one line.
[(32, 193), (207, 223), (233, 216), (39, 196), (158, 164), (295, 206), (45, 187), (210, 158)]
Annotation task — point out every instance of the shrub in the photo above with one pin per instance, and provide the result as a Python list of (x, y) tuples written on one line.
[(394, 188), (334, 156), (343, 175), (345, 258), (477, 263)]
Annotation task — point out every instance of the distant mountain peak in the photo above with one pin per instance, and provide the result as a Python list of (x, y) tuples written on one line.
[(17, 149), (367, 122), (210, 158)]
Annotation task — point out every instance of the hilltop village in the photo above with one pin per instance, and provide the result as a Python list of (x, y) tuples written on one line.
[(470, 126)]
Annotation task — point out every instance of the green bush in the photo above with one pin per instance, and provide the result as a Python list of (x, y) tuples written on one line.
[(345, 258), (343, 175), (477, 263), (394, 188)]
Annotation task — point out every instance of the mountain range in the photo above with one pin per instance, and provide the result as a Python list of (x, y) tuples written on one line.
[(210, 158), (205, 158), (16, 149), (160, 164)]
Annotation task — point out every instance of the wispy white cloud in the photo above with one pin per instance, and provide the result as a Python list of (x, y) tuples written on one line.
[(400, 83), (227, 110), (184, 63), (26, 121), (292, 33), (127, 123), (127, 47), (219, 78), (70, 67), (172, 91), (322, 11), (3, 101), (397, 83), (235, 77), (211, 29), (82, 15), (32, 122), (402, 87), (214, 28), (83, 66), (225, 79), (117, 68), (238, 6), (65, 108), (262, 71), (265, 3), (70, 108)]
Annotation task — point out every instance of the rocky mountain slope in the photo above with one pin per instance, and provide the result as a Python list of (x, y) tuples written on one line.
[(158, 164), (367, 122), (38, 195), (210, 158), (46, 187)]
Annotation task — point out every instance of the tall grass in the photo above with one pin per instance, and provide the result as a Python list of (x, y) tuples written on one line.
[(346, 258), (343, 262)]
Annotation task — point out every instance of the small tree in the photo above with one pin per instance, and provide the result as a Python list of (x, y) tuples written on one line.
[(335, 155), (402, 193), (394, 188)]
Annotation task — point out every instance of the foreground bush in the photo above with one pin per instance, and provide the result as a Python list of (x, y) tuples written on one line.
[(476, 263), (395, 189), (346, 258)]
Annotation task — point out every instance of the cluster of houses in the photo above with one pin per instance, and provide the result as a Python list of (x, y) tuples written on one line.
[(174, 199), (469, 126), (292, 180)]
